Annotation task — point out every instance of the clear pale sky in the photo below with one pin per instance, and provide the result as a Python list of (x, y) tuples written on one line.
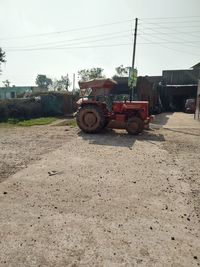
[(62, 25)]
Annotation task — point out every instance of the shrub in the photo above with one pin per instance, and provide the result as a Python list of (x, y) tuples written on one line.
[(4, 112), (20, 109)]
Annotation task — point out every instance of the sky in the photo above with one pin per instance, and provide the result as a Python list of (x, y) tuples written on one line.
[(56, 37)]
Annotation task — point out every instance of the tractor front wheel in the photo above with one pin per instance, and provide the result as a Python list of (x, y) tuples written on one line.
[(134, 126), (90, 119)]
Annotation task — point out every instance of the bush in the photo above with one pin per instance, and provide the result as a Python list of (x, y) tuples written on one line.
[(20, 109), (4, 112)]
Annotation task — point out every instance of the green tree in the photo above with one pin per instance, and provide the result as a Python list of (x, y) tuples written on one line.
[(121, 71), (89, 74), (62, 84), (43, 81), (2, 57), (6, 83)]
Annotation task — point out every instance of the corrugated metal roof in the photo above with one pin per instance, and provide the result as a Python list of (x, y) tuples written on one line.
[(197, 66), (181, 77), (153, 79)]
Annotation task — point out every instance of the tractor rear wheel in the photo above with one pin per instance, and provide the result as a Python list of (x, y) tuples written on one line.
[(134, 126), (90, 119)]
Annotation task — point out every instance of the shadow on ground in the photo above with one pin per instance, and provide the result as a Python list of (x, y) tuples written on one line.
[(185, 131), (120, 138), (161, 119)]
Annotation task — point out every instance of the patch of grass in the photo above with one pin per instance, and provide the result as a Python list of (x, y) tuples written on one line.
[(38, 121), (68, 122), (6, 125), (71, 122), (27, 123)]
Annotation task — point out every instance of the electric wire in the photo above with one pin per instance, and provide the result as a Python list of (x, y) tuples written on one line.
[(171, 18), (171, 48), (176, 32), (65, 42), (72, 47), (65, 31)]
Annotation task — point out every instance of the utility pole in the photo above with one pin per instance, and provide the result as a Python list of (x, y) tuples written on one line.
[(67, 85), (73, 81), (134, 44), (134, 50)]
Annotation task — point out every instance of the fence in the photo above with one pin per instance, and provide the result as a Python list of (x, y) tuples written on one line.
[(45, 104)]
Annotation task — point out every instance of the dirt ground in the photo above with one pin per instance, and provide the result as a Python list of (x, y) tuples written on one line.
[(101, 200), (22, 145)]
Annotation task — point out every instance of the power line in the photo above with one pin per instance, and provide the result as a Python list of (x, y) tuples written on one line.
[(164, 18), (64, 42), (65, 31), (66, 45), (170, 33), (155, 31), (170, 48), (63, 45), (65, 48), (171, 42), (156, 43), (162, 44), (174, 22), (158, 26), (167, 34), (177, 37)]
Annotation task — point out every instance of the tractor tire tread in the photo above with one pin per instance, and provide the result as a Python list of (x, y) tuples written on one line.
[(95, 109)]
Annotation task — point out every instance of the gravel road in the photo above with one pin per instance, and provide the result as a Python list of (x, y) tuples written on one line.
[(102, 200)]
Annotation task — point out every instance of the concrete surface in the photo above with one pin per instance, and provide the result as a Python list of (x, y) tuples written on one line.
[(107, 200)]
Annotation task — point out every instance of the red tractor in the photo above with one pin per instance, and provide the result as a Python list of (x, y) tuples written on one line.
[(98, 109)]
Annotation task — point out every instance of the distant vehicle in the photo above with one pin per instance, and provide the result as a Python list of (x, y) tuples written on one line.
[(190, 105)]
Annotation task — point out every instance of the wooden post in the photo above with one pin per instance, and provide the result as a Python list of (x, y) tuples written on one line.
[(197, 113)]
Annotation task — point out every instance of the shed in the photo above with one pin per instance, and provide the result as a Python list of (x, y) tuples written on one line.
[(177, 86), (121, 87), (147, 89)]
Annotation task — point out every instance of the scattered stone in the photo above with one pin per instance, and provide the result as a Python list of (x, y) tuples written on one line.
[(51, 173), (5, 193), (172, 238)]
